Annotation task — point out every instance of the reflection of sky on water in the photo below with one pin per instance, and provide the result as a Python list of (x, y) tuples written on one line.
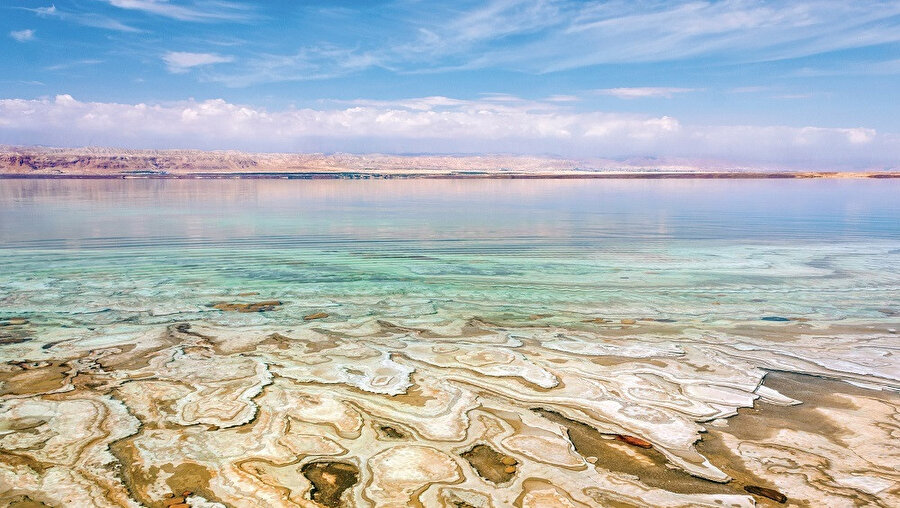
[(104, 251), (576, 212)]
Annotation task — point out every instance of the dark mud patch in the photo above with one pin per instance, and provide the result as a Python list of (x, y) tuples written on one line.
[(389, 432), (330, 480), (648, 464), (266, 306), (772, 494), (490, 464)]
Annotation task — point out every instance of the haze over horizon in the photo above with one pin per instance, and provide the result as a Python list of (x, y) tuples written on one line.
[(807, 83)]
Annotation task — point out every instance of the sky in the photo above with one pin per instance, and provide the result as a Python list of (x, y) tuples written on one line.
[(812, 83)]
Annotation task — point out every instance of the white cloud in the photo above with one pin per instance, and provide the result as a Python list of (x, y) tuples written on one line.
[(216, 10), (547, 36), (22, 35), (309, 63), (83, 18), (73, 64), (642, 92), (562, 98), (181, 61), (433, 124), (541, 36)]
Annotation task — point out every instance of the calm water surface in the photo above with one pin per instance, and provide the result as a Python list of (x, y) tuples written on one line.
[(447, 311), (140, 251)]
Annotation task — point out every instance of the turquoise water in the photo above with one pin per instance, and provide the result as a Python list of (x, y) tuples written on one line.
[(134, 252), (448, 311)]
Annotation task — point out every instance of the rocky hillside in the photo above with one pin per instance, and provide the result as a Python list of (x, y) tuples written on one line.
[(110, 162)]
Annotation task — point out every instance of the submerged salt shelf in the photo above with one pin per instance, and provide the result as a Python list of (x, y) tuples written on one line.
[(257, 343)]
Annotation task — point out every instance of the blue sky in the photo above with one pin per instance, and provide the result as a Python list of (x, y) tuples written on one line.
[(796, 82)]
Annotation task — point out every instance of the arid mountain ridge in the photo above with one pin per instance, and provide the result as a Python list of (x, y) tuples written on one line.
[(93, 162)]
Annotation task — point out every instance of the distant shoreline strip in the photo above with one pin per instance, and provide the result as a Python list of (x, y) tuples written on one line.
[(460, 176)]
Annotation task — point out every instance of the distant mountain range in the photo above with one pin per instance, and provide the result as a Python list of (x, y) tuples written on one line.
[(40, 162)]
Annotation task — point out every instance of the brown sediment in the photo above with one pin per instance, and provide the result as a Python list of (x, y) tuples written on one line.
[(23, 502), (278, 340), (189, 477), (135, 479), (491, 464), (634, 441), (130, 358), (765, 420), (629, 454), (611, 360), (265, 306), (320, 345), (646, 463), (532, 485), (186, 329), (391, 432), (413, 397), (330, 480), (461, 504), (185, 478), (5, 341), (14, 331), (31, 379), (386, 328), (766, 492), (14, 459)]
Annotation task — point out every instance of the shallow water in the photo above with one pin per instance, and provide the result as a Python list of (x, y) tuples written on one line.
[(452, 309)]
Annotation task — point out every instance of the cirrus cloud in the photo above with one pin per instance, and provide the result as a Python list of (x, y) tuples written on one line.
[(181, 61), (645, 91)]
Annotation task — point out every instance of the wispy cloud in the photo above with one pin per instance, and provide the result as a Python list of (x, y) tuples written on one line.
[(734, 30), (308, 63), (750, 89), (73, 64), (434, 124), (878, 68), (210, 10), (562, 98), (543, 36), (643, 92), (793, 96), (22, 35), (24, 82), (181, 61), (83, 18)]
